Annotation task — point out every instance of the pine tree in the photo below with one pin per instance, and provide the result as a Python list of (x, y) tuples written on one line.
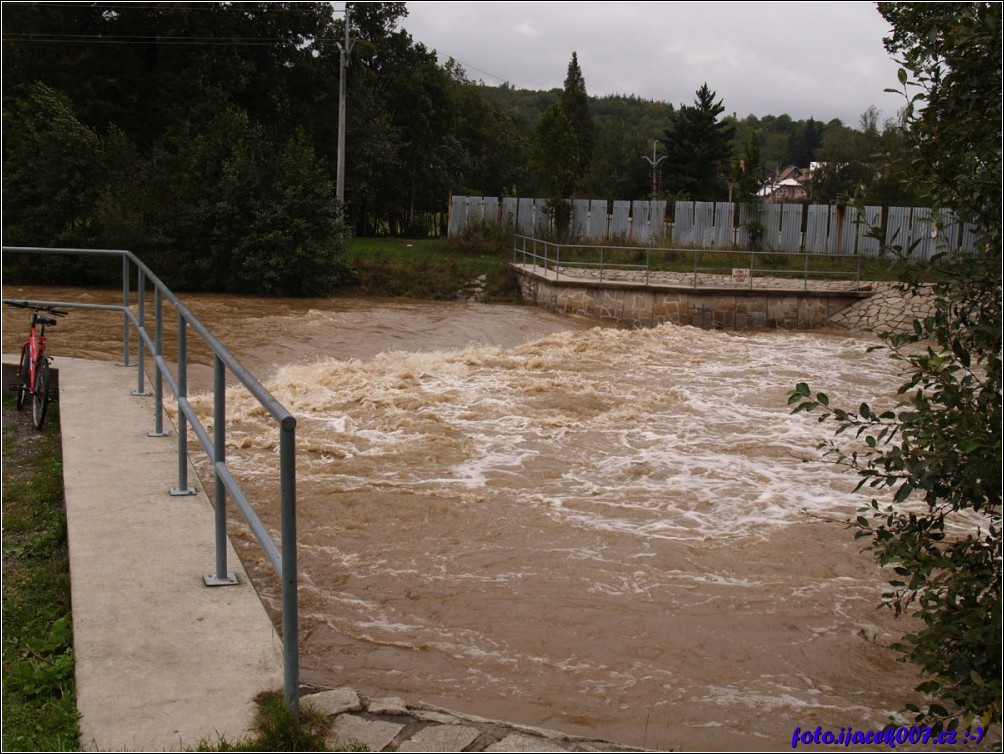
[(698, 148), (575, 103)]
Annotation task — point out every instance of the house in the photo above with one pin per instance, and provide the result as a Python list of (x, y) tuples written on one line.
[(789, 185)]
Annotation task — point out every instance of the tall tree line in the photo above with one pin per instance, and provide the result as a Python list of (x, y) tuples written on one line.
[(203, 136)]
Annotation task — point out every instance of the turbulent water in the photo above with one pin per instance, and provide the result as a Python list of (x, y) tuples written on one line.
[(616, 533)]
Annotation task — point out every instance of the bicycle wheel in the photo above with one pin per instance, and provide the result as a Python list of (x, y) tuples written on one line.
[(23, 374), (40, 398)]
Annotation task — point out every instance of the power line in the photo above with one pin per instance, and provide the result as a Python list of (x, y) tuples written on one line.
[(152, 39)]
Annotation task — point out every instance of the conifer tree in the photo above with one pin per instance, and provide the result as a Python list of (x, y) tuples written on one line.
[(575, 103), (698, 148)]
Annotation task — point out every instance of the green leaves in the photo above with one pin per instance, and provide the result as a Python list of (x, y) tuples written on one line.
[(937, 456)]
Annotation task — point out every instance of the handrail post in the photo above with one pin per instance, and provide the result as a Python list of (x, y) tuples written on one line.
[(158, 378), (290, 619), (140, 343), (222, 577), (125, 307), (182, 488)]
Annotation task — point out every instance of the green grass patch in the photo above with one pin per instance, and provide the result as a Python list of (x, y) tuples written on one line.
[(275, 728), (441, 269), (39, 699)]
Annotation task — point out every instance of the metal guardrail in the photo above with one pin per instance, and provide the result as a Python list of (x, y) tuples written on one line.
[(554, 257), (283, 557)]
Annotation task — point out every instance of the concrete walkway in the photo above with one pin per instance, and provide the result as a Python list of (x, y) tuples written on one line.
[(162, 661)]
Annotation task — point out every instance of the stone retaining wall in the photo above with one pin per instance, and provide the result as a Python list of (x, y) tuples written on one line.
[(642, 305)]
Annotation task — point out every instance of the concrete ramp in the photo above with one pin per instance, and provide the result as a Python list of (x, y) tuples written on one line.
[(162, 661)]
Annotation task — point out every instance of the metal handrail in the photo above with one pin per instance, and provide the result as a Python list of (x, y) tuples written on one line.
[(556, 257), (283, 557)]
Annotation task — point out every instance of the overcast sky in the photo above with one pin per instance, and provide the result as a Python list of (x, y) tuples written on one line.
[(822, 59)]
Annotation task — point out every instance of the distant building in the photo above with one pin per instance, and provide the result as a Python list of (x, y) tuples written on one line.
[(787, 186)]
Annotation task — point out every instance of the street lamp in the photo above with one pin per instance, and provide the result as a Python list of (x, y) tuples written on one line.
[(655, 165), (345, 49)]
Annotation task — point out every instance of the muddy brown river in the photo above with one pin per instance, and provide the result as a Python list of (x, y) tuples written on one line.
[(616, 533)]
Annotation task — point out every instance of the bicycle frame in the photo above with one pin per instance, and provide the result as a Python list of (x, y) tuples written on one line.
[(35, 346)]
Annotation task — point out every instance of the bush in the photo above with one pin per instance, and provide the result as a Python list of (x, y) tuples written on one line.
[(938, 454)]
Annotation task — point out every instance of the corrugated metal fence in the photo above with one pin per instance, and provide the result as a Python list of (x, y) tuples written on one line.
[(791, 228)]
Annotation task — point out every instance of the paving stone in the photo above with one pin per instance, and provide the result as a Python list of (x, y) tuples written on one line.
[(430, 716), (523, 742), (390, 705), (442, 738), (335, 701), (375, 735)]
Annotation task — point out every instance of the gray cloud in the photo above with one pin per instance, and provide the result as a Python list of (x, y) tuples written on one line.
[(821, 59)]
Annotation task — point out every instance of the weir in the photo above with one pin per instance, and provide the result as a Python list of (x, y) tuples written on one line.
[(626, 285)]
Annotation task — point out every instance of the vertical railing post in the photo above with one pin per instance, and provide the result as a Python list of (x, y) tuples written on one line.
[(158, 377), (222, 577), (805, 274), (140, 331), (182, 488), (125, 312), (290, 620)]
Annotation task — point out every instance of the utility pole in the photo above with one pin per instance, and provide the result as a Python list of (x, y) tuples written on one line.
[(340, 171), (655, 167)]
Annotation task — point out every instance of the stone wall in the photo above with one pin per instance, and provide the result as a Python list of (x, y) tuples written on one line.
[(708, 308)]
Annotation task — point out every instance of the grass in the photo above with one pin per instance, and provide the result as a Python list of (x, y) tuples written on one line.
[(275, 728), (39, 699), (442, 269)]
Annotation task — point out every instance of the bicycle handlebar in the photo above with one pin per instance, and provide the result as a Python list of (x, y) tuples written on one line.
[(26, 305)]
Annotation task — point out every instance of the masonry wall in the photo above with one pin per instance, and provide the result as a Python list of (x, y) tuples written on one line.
[(726, 309)]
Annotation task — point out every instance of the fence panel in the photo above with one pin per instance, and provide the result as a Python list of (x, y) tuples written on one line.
[(458, 215), (897, 228), (828, 229), (750, 215), (620, 222), (525, 218), (968, 238), (598, 219), (872, 218), (817, 229), (683, 224), (843, 236), (791, 228), (704, 224), (641, 221), (724, 224), (510, 211), (658, 220), (580, 218), (493, 208)]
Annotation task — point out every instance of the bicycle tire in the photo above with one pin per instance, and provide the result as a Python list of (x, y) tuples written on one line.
[(23, 375), (40, 398)]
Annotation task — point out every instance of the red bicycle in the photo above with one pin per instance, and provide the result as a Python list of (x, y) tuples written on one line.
[(33, 371)]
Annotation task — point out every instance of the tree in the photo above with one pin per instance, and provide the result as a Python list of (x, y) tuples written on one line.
[(938, 454), (698, 149), (554, 159), (575, 103)]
